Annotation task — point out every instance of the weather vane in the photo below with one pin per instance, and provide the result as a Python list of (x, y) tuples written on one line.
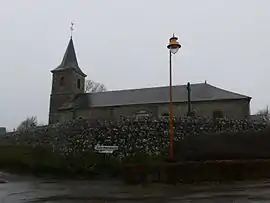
[(71, 29)]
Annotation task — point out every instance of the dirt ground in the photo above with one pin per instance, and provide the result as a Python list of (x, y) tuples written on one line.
[(28, 189)]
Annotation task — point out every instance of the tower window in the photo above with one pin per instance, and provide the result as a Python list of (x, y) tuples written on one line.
[(79, 84), (62, 81)]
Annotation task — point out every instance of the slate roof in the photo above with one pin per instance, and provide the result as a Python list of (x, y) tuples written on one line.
[(69, 60), (199, 92)]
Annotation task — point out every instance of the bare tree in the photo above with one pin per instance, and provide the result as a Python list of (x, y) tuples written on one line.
[(92, 86), (264, 113), (29, 122)]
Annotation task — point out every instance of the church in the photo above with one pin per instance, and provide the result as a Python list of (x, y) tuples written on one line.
[(68, 99)]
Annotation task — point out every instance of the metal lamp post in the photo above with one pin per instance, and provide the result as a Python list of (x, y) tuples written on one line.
[(173, 47)]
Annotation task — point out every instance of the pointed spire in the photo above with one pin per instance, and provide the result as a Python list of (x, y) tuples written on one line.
[(70, 59)]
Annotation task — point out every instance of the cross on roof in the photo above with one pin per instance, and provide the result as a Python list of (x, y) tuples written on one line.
[(71, 29)]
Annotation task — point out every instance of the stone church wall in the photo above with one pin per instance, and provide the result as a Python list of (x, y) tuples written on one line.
[(232, 109)]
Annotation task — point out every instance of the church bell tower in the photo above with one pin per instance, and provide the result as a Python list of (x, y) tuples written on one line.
[(68, 80)]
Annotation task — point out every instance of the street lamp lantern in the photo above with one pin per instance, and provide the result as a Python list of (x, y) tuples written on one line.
[(174, 45)]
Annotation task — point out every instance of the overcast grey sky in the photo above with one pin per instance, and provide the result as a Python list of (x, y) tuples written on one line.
[(122, 43)]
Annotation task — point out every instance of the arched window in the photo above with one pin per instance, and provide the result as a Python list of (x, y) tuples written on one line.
[(142, 114), (165, 115), (62, 81), (217, 114), (79, 84)]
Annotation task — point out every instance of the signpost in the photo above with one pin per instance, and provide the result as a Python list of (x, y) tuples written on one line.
[(105, 150)]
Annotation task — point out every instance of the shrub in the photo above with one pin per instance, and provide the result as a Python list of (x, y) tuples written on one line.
[(194, 171)]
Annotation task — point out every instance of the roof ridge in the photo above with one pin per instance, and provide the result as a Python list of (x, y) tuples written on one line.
[(143, 88), (242, 95)]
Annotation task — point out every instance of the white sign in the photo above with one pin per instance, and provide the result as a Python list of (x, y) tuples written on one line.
[(105, 149)]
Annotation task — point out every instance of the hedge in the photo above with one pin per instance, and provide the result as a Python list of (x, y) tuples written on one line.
[(224, 146), (197, 171)]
